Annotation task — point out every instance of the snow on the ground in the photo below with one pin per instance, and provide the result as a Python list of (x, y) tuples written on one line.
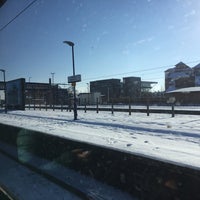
[(159, 136)]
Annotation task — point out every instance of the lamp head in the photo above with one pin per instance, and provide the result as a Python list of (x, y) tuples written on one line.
[(69, 43)]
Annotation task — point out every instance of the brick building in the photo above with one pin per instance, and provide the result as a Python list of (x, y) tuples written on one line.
[(182, 76), (46, 93)]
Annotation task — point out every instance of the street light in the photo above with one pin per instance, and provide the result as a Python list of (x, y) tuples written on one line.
[(52, 74), (52, 89), (71, 44), (4, 79), (29, 93)]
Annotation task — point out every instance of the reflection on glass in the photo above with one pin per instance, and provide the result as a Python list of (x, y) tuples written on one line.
[(25, 145)]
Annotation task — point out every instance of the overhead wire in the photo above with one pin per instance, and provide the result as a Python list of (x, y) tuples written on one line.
[(105, 76), (137, 71), (22, 11)]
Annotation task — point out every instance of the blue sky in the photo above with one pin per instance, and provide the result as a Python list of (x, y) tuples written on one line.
[(113, 38)]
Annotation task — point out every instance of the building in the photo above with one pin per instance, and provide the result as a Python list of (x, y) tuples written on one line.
[(109, 89), (196, 70), (135, 89), (46, 93), (113, 90), (182, 84), (146, 86), (132, 87), (89, 98), (181, 76), (184, 96)]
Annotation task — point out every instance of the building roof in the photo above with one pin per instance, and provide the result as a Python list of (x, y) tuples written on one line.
[(185, 90), (132, 77), (149, 82), (197, 66), (178, 66), (181, 65), (105, 80)]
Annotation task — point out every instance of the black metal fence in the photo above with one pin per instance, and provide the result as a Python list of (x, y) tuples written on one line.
[(130, 109)]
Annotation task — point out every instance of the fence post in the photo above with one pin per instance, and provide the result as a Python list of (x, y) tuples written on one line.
[(62, 107), (112, 109), (85, 106), (129, 106), (46, 106), (147, 108), (97, 106), (34, 104), (173, 113)]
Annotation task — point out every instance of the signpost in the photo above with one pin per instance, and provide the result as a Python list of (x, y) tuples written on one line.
[(74, 79)]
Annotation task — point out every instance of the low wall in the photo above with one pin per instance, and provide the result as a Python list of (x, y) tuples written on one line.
[(94, 172)]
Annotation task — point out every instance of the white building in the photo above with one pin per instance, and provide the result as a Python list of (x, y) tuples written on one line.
[(90, 98)]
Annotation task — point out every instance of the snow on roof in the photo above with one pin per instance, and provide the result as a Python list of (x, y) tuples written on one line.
[(186, 90)]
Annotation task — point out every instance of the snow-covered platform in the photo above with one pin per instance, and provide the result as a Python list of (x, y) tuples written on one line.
[(137, 153), (159, 136)]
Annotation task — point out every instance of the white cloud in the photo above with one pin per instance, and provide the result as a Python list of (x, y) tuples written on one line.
[(142, 41), (189, 14)]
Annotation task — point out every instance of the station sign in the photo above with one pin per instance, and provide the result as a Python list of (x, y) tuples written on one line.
[(74, 79)]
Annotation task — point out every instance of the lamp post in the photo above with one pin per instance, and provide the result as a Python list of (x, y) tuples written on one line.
[(71, 44), (29, 93), (4, 79), (52, 89), (52, 74)]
